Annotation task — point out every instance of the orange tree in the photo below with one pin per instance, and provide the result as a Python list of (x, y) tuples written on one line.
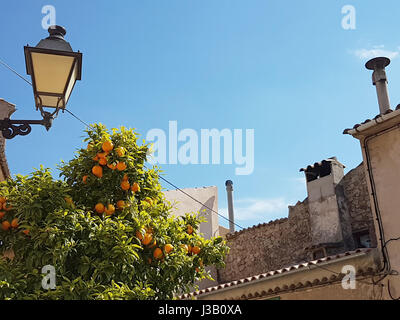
[(106, 228)]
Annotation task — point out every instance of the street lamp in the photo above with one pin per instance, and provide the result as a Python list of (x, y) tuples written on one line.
[(54, 68)]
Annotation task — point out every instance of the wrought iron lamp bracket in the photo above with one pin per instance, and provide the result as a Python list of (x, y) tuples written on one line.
[(11, 128)]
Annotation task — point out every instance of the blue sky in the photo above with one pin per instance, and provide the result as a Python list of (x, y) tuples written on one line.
[(286, 69)]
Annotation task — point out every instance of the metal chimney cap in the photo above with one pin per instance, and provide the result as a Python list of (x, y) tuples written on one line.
[(228, 183), (377, 63)]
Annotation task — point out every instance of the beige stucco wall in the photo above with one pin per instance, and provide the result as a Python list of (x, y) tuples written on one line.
[(380, 144), (184, 204), (384, 154), (335, 291)]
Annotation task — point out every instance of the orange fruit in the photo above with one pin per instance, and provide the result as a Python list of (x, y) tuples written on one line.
[(26, 232), (102, 155), (139, 235), (112, 166), (107, 146), (121, 166), (201, 263), (147, 239), (121, 204), (109, 210), (189, 229), (14, 223), (95, 158), (7, 208), (125, 177), (5, 225), (97, 171), (197, 270), (120, 151), (135, 187), (2, 213), (3, 200), (168, 248), (84, 179), (196, 250), (125, 185), (189, 249), (103, 161), (99, 208), (158, 254)]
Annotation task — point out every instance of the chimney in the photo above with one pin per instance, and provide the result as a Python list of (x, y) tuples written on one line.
[(379, 80), (327, 206), (229, 191)]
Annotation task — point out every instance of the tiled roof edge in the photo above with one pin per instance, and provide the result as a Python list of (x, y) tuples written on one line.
[(376, 118), (284, 270)]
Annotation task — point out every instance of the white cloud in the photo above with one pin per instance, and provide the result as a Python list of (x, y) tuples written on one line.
[(376, 51), (264, 209), (301, 181)]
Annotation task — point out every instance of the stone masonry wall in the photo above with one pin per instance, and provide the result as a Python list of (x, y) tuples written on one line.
[(358, 202), (268, 246), (277, 244)]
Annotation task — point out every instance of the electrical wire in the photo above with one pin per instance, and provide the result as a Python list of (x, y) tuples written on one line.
[(194, 199), (12, 70), (173, 185), (199, 202), (392, 272), (76, 117), (162, 178), (392, 239), (30, 83), (179, 189)]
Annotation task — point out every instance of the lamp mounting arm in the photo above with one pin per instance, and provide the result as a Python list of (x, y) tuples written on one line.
[(11, 128)]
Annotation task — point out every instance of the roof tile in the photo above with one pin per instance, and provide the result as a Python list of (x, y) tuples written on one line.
[(283, 270), (346, 131)]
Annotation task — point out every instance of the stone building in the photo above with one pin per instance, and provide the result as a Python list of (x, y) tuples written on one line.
[(333, 219), (343, 240), (303, 256), (6, 109)]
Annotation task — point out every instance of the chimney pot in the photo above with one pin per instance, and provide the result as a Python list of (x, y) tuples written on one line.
[(229, 192), (379, 80)]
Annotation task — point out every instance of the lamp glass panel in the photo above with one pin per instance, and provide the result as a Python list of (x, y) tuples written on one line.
[(51, 72), (49, 101), (71, 82)]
